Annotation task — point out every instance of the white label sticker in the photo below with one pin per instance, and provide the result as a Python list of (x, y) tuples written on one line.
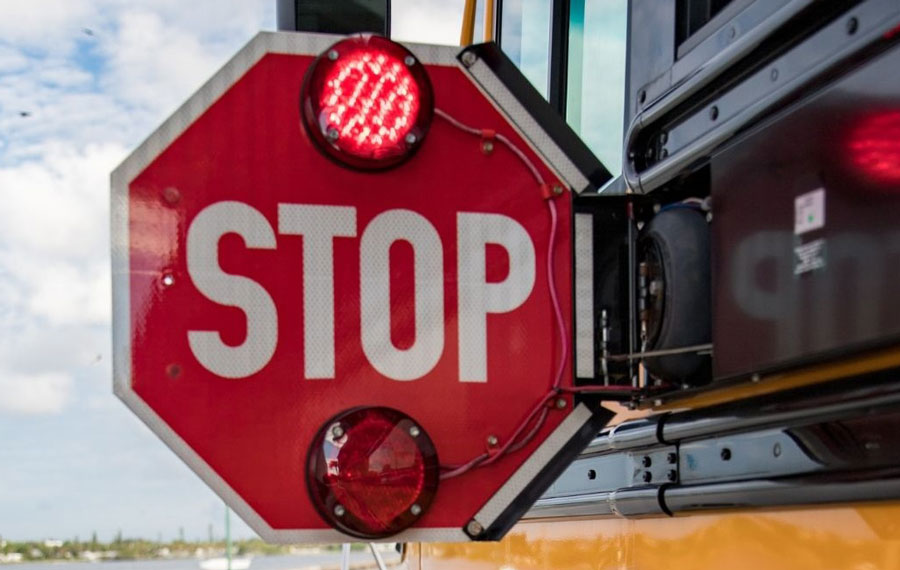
[(809, 257), (809, 211)]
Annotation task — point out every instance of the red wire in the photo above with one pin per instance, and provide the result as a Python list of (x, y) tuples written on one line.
[(597, 389), (514, 443), (532, 433)]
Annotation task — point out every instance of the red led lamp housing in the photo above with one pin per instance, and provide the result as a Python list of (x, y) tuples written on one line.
[(367, 102), (372, 472)]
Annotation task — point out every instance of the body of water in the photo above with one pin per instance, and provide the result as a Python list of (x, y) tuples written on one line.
[(324, 561)]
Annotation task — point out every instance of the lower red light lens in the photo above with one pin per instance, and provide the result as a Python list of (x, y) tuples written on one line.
[(372, 472), (367, 102)]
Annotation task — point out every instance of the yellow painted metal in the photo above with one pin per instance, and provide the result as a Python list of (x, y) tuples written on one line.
[(468, 24), (489, 20), (858, 537), (882, 360)]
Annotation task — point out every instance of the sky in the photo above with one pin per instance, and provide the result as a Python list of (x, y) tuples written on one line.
[(82, 82)]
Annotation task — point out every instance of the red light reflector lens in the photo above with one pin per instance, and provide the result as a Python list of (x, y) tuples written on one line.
[(372, 472), (367, 102), (875, 147)]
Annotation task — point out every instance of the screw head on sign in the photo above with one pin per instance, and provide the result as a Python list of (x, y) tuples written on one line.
[(474, 528), (337, 432), (414, 431), (492, 440), (416, 510), (339, 510), (173, 370), (469, 59), (409, 60), (171, 195), (410, 138), (332, 54), (556, 189), (560, 403), (487, 147), (168, 280), (332, 134)]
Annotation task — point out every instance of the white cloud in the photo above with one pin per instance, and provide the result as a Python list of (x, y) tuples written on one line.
[(72, 102), (67, 293), (43, 24), (11, 60), (34, 394), (57, 205), (153, 65), (58, 74), (63, 109)]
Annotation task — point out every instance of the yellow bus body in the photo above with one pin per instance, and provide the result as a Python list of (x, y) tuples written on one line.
[(857, 537)]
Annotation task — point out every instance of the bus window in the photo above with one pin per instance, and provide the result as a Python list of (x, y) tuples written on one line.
[(595, 92), (525, 38)]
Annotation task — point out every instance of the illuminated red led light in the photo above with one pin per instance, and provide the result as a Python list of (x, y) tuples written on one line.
[(372, 472), (874, 147), (371, 101), (367, 102)]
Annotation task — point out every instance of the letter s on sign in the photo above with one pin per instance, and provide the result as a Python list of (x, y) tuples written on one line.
[(203, 237)]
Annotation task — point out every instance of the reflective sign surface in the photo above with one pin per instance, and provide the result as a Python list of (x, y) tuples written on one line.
[(261, 289)]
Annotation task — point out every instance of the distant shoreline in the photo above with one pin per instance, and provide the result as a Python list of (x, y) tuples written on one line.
[(121, 549)]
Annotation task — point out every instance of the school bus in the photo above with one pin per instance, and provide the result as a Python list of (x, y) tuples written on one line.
[(734, 283), (740, 285)]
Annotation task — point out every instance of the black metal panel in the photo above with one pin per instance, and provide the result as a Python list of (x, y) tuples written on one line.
[(785, 298), (335, 16), (549, 120), (554, 468), (696, 20), (559, 55), (613, 247)]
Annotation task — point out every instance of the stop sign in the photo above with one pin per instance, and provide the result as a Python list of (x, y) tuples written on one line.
[(262, 288)]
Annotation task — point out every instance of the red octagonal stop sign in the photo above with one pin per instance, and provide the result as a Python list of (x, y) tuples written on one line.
[(261, 288)]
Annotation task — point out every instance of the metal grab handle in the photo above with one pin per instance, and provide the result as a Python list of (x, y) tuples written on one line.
[(377, 555), (345, 556), (702, 77), (870, 30)]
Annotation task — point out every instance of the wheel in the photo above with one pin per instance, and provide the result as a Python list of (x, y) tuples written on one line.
[(674, 250)]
